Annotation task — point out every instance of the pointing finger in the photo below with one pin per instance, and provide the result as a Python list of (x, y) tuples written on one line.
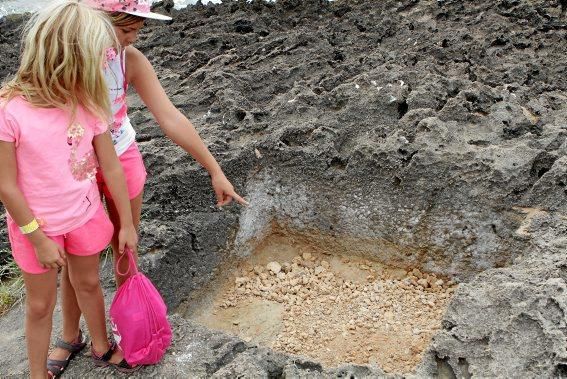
[(240, 200)]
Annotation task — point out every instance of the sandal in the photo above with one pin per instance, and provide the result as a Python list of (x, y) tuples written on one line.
[(56, 367), (104, 360)]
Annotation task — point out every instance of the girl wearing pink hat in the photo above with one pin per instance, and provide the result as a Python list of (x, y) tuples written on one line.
[(124, 68)]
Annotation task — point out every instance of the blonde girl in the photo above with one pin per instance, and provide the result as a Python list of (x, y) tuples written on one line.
[(53, 136)]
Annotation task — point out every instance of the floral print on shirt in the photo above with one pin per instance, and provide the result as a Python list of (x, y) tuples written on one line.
[(85, 167), (119, 107), (110, 55)]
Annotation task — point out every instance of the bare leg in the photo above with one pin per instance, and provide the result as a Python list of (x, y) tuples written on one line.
[(136, 205), (69, 305), (71, 316), (41, 296), (84, 277)]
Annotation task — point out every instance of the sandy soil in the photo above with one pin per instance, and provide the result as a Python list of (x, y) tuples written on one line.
[(332, 309)]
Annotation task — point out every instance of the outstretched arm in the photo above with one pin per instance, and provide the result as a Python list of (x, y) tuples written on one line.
[(49, 254), (116, 183), (174, 124)]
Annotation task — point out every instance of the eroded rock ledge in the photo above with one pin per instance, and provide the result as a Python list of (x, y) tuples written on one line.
[(431, 127)]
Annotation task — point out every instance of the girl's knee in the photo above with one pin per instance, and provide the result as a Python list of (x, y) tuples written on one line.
[(39, 308), (86, 284)]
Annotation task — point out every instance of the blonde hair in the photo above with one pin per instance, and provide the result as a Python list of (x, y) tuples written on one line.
[(63, 54)]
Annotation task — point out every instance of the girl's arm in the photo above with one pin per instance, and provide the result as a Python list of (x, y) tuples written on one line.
[(116, 183), (174, 124), (49, 254)]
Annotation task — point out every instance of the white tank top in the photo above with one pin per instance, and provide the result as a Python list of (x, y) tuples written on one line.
[(123, 134)]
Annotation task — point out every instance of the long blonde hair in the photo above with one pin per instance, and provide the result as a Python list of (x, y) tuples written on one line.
[(63, 54)]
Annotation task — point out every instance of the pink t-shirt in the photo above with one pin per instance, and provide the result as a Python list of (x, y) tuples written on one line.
[(56, 163)]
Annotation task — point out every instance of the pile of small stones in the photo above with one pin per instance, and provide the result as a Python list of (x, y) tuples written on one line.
[(385, 318)]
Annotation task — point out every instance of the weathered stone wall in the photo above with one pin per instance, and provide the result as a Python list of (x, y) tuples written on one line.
[(432, 128)]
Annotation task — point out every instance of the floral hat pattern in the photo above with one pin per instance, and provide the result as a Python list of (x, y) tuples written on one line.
[(141, 8)]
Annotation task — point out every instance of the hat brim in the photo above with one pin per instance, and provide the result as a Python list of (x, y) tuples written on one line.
[(152, 15)]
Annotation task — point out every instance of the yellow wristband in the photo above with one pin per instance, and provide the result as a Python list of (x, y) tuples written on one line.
[(30, 228)]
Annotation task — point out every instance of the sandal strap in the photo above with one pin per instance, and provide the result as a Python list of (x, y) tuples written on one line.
[(73, 347), (55, 363), (56, 367), (124, 364), (106, 356), (124, 367)]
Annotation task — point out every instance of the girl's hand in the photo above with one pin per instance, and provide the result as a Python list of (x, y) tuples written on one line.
[(49, 254), (224, 191), (128, 238)]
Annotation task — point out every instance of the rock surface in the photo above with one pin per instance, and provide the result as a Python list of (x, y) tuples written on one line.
[(422, 133)]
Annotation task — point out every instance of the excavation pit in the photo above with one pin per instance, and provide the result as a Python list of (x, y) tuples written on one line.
[(333, 309)]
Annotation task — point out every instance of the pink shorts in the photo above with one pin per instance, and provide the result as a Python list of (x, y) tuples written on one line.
[(134, 171), (88, 239)]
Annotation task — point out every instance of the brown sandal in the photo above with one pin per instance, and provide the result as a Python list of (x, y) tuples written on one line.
[(56, 367), (104, 360)]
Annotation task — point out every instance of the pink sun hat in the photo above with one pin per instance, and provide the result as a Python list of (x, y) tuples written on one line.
[(141, 8)]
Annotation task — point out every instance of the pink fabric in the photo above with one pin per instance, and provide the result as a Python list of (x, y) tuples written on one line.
[(116, 68), (139, 318), (110, 56), (89, 239), (134, 172), (120, 114), (56, 162), (121, 5)]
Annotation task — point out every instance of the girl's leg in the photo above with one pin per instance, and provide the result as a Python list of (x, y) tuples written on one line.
[(41, 295), (71, 316), (136, 205), (84, 277), (69, 306)]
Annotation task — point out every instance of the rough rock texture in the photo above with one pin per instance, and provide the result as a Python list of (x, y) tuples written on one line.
[(418, 133)]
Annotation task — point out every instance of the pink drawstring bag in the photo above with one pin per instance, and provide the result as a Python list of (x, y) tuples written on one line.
[(138, 317)]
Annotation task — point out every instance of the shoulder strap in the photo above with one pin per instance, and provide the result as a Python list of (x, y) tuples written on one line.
[(123, 66)]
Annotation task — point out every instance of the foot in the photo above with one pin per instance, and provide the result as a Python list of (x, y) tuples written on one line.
[(117, 357), (64, 351), (114, 358), (60, 354)]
